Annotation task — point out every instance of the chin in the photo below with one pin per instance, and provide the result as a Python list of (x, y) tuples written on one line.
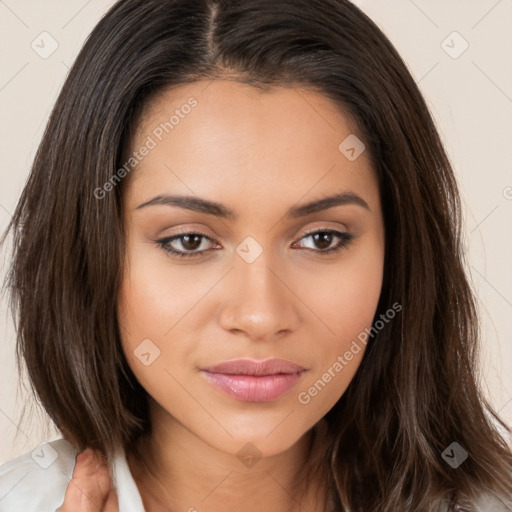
[(262, 438)]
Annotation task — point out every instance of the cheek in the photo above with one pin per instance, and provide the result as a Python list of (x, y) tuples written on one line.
[(156, 295), (145, 304), (345, 295), (345, 305), (152, 312)]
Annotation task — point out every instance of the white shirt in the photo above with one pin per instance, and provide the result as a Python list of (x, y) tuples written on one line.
[(37, 481)]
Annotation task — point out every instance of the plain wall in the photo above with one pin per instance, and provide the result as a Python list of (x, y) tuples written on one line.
[(470, 96)]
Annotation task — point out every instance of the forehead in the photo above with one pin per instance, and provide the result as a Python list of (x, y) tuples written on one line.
[(223, 137)]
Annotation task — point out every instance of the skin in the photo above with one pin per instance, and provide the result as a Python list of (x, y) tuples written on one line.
[(90, 487), (258, 153)]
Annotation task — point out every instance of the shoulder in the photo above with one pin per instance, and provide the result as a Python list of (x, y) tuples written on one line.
[(37, 481)]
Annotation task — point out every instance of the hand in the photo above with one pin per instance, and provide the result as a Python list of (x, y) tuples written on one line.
[(90, 489)]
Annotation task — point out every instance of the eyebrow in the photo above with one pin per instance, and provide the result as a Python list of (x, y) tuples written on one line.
[(198, 204)]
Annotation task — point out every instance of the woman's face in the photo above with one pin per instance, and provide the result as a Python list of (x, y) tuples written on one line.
[(245, 172)]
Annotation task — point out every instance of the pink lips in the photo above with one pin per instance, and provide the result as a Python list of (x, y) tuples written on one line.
[(254, 381)]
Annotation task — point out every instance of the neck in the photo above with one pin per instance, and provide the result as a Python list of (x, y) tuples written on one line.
[(177, 471)]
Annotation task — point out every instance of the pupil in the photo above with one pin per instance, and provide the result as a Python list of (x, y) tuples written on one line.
[(323, 240), (191, 245)]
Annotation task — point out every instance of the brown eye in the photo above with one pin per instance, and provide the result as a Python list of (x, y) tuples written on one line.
[(189, 242), (323, 239)]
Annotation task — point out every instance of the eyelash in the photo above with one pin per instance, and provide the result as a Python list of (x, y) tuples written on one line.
[(164, 243)]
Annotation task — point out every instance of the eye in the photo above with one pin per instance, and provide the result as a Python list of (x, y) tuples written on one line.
[(192, 242), (323, 238)]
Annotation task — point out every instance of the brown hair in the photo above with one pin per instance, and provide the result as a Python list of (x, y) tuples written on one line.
[(415, 392)]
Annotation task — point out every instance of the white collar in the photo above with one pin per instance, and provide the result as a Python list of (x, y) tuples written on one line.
[(127, 492)]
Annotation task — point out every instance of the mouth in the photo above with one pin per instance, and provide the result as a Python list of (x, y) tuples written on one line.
[(254, 381)]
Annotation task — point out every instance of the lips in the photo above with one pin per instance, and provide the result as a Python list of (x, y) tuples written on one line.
[(256, 368), (254, 381)]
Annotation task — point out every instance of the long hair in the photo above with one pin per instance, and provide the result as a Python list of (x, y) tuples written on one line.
[(415, 392)]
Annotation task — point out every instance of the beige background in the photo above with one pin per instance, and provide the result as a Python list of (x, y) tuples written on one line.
[(470, 97)]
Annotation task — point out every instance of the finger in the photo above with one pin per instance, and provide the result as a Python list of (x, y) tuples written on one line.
[(111, 504), (89, 487)]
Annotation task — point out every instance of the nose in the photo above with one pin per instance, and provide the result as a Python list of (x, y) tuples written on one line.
[(258, 302)]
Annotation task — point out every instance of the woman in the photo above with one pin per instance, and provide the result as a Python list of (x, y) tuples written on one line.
[(238, 275)]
